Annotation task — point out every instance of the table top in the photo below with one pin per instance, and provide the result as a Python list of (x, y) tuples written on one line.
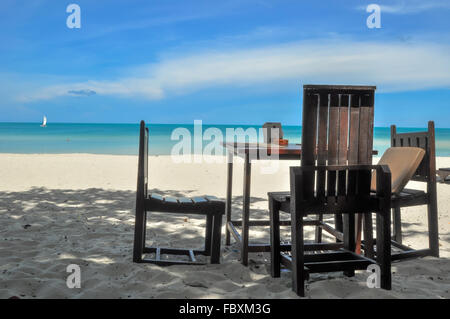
[(289, 151), (239, 148)]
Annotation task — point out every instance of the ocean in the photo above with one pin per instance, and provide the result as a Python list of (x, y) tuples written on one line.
[(122, 139)]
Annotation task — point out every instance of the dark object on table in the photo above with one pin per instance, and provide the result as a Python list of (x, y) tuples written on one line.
[(208, 206), (275, 128), (348, 196)]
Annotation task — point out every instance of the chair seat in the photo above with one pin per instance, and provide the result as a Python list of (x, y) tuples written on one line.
[(410, 197), (405, 194), (410, 193), (203, 205)]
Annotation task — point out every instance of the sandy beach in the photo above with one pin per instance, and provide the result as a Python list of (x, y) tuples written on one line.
[(63, 209)]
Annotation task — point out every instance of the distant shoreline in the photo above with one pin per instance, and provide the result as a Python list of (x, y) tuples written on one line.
[(122, 139)]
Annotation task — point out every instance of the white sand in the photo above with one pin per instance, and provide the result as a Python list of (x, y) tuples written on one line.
[(80, 210)]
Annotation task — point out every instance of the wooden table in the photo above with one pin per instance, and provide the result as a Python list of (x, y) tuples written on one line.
[(249, 152)]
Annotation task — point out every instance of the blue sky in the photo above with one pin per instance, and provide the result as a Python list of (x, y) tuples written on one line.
[(224, 62)]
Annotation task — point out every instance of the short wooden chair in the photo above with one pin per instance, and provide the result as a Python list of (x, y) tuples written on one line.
[(426, 172), (347, 192), (208, 206)]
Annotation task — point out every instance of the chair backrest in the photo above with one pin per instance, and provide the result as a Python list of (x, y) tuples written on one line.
[(142, 181), (426, 172), (337, 126), (349, 194), (403, 163)]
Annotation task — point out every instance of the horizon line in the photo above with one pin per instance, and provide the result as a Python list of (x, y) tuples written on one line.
[(186, 124)]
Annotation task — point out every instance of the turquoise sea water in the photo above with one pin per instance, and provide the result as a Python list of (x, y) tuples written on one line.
[(123, 138)]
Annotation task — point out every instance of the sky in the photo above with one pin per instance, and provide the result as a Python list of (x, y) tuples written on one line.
[(223, 62)]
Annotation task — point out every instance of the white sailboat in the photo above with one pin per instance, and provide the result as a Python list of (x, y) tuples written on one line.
[(44, 122)]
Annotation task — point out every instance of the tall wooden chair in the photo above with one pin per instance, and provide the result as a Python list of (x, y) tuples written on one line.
[(337, 129), (207, 206), (347, 192), (426, 172)]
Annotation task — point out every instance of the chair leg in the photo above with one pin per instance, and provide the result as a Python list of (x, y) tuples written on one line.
[(216, 239), (433, 230), (208, 234), (318, 234), (275, 250), (384, 247), (349, 238), (246, 210), (139, 235), (368, 236), (229, 196), (397, 224), (144, 236), (338, 223), (298, 258)]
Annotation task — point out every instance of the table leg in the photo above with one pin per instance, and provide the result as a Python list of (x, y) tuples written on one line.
[(246, 210), (228, 204)]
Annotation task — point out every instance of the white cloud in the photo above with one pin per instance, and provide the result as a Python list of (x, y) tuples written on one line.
[(411, 7), (390, 66)]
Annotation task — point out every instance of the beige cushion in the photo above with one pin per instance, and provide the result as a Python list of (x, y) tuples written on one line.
[(403, 163)]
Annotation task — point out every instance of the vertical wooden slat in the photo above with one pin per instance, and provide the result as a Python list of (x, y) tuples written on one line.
[(343, 150), (353, 141), (333, 138), (364, 156), (322, 142), (343, 129), (369, 101), (322, 137), (423, 167), (309, 128), (309, 138)]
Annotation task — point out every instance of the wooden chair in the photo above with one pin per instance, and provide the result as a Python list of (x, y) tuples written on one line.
[(347, 192), (208, 206), (426, 172), (337, 129)]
